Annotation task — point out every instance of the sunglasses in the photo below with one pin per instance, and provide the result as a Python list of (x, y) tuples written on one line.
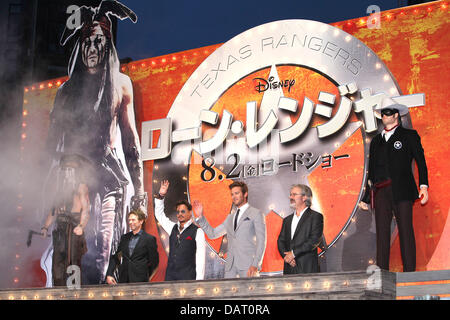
[(388, 112)]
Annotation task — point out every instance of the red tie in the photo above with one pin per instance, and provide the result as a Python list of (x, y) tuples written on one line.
[(387, 130)]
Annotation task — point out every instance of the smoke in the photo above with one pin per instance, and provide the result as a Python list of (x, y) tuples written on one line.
[(22, 175), (28, 183), (11, 195), (18, 181), (25, 184)]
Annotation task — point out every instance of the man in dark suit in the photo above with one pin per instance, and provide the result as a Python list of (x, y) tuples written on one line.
[(393, 188), (186, 241), (136, 256), (301, 234)]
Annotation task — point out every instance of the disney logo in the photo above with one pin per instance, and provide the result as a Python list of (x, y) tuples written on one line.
[(263, 84)]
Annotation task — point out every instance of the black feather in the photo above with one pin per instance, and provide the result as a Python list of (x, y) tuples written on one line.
[(115, 8), (90, 14)]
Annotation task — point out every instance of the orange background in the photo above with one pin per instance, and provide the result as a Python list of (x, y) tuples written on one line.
[(413, 42)]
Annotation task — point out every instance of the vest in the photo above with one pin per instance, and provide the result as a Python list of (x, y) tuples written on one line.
[(183, 247)]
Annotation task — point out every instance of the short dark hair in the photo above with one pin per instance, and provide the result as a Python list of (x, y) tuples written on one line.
[(139, 214), (184, 202), (241, 185)]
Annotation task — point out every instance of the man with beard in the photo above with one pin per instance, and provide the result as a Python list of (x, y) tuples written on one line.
[(301, 233), (186, 243), (245, 228), (93, 115)]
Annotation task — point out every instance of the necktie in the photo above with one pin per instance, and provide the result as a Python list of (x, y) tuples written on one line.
[(236, 219)]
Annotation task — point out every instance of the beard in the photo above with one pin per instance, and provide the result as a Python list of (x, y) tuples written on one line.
[(292, 204)]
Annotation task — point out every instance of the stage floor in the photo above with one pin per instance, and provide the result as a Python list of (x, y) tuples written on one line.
[(352, 285)]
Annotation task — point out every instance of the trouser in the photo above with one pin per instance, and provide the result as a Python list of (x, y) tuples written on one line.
[(105, 234), (385, 208), (172, 275), (68, 248), (236, 273)]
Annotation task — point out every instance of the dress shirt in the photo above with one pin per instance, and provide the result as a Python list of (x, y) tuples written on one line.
[(168, 225), (133, 241), (387, 134), (241, 212), (295, 221)]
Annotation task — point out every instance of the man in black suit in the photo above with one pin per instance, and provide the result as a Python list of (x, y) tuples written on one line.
[(137, 254), (301, 233), (393, 188)]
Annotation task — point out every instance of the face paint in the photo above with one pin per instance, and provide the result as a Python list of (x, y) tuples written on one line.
[(66, 178), (93, 48)]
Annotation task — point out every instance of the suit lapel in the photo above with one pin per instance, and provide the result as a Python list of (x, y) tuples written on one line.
[(395, 135), (138, 243), (241, 219), (126, 249), (289, 225), (304, 217)]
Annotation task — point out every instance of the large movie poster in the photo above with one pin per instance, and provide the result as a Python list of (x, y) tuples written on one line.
[(283, 103)]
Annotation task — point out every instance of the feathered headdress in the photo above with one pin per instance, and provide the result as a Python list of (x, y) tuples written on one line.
[(101, 14)]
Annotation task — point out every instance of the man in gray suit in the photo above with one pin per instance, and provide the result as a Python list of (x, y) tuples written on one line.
[(245, 228)]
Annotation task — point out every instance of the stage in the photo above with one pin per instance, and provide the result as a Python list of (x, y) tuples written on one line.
[(281, 103), (353, 285)]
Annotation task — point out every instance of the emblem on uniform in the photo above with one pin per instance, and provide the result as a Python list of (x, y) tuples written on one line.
[(397, 145)]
